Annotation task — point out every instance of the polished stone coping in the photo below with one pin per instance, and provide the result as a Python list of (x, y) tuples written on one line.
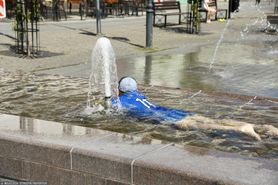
[(119, 158)]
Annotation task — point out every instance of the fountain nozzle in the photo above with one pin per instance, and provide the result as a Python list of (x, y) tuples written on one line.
[(108, 102)]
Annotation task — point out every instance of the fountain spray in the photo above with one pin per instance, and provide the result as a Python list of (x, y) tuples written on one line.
[(103, 78), (107, 80)]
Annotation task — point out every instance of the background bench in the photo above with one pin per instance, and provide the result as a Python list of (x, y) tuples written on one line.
[(272, 19), (169, 8)]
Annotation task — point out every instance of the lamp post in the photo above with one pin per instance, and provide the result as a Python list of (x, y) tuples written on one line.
[(98, 17), (229, 8), (149, 24)]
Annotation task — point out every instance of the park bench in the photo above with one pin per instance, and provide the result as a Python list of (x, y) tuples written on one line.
[(212, 4), (168, 8), (124, 7), (272, 19), (71, 2), (53, 8)]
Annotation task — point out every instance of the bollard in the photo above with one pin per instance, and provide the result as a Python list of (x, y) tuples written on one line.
[(149, 24)]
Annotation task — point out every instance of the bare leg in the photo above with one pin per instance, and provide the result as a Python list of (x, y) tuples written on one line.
[(211, 13), (201, 122)]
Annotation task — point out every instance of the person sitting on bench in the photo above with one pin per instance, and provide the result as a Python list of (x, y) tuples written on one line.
[(211, 11)]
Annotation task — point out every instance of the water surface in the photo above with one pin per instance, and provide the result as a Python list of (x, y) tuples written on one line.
[(63, 99)]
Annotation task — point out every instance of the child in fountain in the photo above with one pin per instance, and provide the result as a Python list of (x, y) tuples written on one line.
[(135, 104)]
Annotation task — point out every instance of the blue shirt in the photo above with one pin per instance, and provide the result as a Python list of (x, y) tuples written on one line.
[(136, 105)]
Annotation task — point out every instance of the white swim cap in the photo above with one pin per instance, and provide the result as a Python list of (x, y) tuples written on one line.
[(127, 84)]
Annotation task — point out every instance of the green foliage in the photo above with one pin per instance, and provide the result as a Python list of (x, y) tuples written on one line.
[(26, 11), (196, 14)]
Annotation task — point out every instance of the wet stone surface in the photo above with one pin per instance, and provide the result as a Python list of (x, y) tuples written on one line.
[(244, 66), (63, 99)]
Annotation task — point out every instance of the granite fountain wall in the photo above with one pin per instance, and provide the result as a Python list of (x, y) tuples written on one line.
[(57, 153)]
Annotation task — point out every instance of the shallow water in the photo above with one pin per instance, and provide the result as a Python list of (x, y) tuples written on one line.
[(243, 68), (63, 99)]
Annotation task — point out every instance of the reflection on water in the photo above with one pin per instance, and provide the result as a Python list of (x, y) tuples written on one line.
[(63, 99), (31, 126), (244, 68), (169, 71), (62, 133)]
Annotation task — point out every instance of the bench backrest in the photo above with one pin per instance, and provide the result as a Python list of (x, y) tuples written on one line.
[(213, 3), (166, 5), (75, 1)]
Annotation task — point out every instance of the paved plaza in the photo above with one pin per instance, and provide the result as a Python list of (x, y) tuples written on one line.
[(223, 56)]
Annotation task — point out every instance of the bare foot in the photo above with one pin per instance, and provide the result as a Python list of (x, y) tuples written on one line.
[(271, 130), (249, 130)]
